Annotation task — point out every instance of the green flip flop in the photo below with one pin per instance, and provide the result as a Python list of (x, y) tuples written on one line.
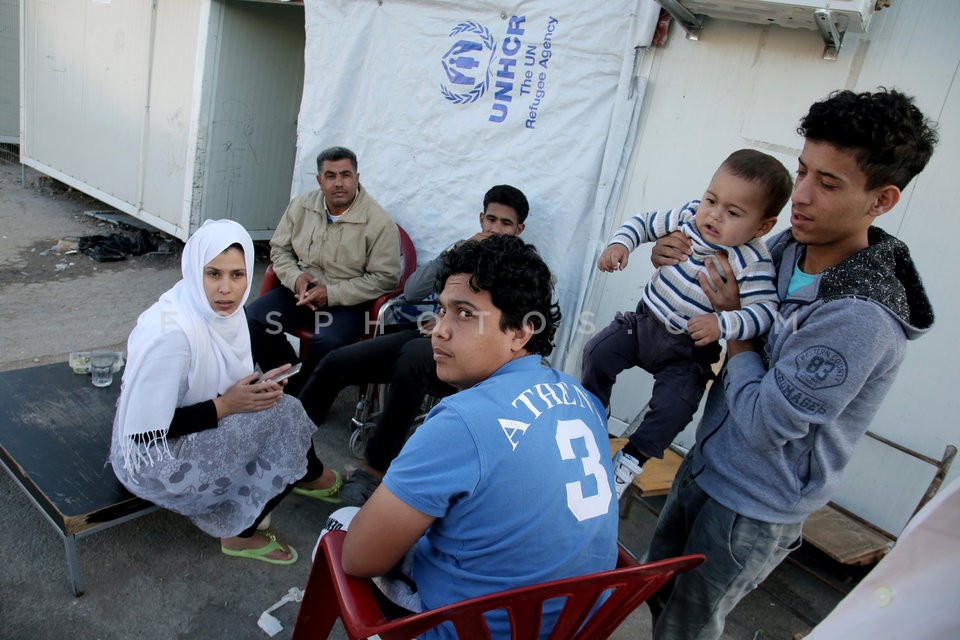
[(327, 495), (261, 553)]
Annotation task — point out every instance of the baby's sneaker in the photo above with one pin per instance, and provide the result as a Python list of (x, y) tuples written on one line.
[(625, 469)]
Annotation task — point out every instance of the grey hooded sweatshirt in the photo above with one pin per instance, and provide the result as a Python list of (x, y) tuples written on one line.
[(779, 427)]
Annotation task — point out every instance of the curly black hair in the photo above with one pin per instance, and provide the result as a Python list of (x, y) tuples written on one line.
[(518, 280), (889, 136)]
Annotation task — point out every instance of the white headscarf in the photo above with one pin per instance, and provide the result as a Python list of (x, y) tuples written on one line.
[(219, 345)]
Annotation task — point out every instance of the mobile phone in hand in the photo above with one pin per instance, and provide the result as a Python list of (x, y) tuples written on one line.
[(292, 371)]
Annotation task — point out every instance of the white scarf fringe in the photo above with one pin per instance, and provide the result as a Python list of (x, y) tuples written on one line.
[(136, 454)]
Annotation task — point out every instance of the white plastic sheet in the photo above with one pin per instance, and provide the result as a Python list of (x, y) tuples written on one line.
[(443, 100)]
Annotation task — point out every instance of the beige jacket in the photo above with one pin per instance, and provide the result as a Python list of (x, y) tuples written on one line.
[(357, 257)]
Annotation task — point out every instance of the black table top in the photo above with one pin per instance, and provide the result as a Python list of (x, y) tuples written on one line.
[(55, 429)]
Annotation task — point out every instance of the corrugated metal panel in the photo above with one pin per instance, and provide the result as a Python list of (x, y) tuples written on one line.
[(9, 71), (252, 120)]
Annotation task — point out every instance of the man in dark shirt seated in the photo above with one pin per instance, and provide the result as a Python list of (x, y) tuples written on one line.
[(403, 358)]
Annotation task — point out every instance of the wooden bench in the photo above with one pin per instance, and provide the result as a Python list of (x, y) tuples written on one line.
[(841, 534), (845, 536), (55, 432), (851, 540)]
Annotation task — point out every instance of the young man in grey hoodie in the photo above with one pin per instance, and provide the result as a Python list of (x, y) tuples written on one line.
[(783, 419)]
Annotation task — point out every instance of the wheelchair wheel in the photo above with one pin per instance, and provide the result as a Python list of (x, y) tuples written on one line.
[(358, 439)]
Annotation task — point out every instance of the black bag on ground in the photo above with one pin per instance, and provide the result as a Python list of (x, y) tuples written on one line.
[(116, 246)]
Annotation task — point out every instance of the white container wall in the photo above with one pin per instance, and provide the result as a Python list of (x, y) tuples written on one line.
[(744, 85), (173, 112)]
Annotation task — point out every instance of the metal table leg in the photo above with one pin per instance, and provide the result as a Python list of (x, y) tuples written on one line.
[(73, 565)]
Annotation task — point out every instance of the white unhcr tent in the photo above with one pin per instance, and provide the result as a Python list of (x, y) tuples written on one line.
[(441, 101)]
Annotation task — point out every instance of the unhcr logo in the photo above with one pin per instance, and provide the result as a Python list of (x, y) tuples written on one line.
[(476, 62), (466, 64)]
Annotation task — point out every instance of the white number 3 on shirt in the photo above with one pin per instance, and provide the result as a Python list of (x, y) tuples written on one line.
[(584, 507)]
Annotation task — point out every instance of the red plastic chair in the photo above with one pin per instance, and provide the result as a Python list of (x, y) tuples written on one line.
[(408, 264), (331, 593)]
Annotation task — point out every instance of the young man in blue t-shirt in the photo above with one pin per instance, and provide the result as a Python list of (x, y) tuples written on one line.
[(509, 481)]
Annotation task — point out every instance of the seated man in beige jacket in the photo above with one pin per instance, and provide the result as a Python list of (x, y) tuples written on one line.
[(335, 249)]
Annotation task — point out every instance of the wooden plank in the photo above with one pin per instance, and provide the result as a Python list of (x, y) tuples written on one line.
[(844, 538), (658, 474)]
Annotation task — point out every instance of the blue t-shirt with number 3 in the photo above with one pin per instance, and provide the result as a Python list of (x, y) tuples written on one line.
[(517, 472)]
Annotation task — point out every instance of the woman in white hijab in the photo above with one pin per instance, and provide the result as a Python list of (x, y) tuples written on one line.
[(196, 430)]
